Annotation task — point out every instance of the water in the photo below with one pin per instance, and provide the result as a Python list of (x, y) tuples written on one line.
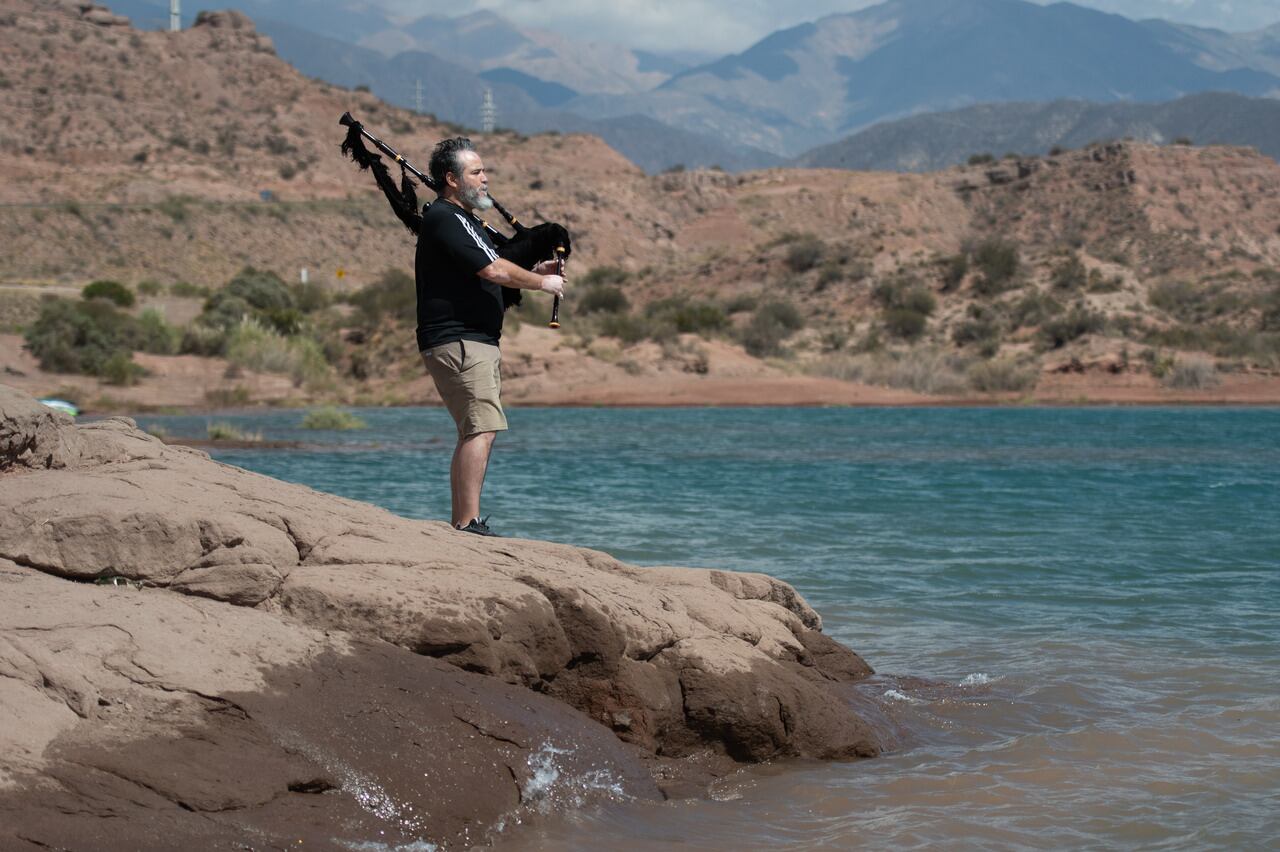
[(1075, 613)]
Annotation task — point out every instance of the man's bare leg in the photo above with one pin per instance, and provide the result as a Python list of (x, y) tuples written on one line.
[(466, 475)]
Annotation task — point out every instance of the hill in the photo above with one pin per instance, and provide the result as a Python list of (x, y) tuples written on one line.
[(1113, 263), (941, 139)]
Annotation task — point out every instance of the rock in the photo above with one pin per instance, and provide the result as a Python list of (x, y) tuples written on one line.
[(226, 20), (674, 661), (33, 435)]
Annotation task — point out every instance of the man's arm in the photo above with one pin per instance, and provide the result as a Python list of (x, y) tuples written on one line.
[(506, 273)]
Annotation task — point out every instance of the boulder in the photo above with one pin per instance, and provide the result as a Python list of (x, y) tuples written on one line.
[(676, 662)]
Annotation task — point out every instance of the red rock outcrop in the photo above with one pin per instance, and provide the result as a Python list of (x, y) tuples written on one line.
[(239, 584)]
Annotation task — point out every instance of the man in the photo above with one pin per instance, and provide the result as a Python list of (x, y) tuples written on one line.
[(459, 283)]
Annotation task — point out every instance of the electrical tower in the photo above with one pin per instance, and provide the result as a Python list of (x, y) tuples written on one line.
[(417, 96), (488, 112), (175, 16)]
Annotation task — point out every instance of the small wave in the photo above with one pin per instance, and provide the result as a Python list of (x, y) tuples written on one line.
[(976, 679), (374, 846), (895, 695)]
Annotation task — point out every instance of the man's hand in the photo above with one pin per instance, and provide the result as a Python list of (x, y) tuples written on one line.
[(552, 284), (546, 267)]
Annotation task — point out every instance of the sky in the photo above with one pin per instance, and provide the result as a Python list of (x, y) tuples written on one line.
[(730, 26)]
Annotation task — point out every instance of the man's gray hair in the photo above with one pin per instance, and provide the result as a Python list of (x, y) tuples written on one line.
[(444, 160)]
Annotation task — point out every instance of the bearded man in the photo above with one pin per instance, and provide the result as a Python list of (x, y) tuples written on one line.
[(460, 307)]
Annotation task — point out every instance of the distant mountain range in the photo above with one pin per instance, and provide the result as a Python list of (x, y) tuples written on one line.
[(937, 140), (798, 88), (815, 82)]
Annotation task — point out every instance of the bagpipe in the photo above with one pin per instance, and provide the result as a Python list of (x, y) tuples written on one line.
[(528, 247)]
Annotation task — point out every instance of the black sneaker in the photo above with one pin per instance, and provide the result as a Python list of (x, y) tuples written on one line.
[(478, 527)]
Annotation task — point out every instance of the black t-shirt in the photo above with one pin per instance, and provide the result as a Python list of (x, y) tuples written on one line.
[(453, 302)]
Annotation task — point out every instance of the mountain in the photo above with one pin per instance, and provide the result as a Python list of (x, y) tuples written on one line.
[(937, 140), (484, 40), (809, 84), (1218, 50), (338, 19)]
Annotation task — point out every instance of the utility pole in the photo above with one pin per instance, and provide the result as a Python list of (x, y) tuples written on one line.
[(175, 16), (488, 112), (417, 96)]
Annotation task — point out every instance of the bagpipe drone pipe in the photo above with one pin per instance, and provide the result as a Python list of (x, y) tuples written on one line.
[(526, 248)]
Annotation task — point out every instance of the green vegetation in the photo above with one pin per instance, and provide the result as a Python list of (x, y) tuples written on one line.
[(770, 325), (1076, 323), (392, 296), (95, 338), (1192, 374), (907, 304), (222, 431), (331, 418), (112, 291), (602, 298), (805, 253), (998, 265), (1070, 276), (1003, 375)]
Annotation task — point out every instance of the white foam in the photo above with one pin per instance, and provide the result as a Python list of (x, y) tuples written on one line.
[(373, 846), (895, 695), (976, 679)]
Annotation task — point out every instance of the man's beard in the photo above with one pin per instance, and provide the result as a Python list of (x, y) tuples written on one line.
[(476, 199)]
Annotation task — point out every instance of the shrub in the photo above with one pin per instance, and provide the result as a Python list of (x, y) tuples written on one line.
[(120, 369), (771, 324), (223, 431), (981, 159), (156, 336), (149, 287), (332, 418), (262, 289), (254, 346), (981, 325), (905, 292), (688, 317), (79, 337), (187, 290), (628, 328), (603, 298), (393, 294), (200, 339), (741, 303), (804, 254), (112, 291), (954, 269), (997, 261), (1033, 309), (905, 323), (1070, 275), (603, 275), (1003, 374), (1192, 374), (1063, 329)]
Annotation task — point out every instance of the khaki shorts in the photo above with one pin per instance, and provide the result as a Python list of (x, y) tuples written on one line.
[(468, 376)]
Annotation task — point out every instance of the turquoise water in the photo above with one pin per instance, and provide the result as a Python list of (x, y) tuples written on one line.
[(1075, 613)]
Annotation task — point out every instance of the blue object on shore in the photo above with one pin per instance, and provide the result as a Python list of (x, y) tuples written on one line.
[(62, 405)]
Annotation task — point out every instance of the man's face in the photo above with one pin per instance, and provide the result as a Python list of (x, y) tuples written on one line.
[(473, 189)]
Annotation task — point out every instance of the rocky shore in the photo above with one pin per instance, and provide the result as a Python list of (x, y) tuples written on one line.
[(194, 654)]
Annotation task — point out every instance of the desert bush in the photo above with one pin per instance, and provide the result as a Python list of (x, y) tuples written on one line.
[(905, 323), (330, 418), (120, 369), (997, 262), (156, 336), (770, 325), (981, 159), (223, 431), (805, 253), (830, 274), (310, 297), (1033, 309), (907, 293), (206, 340), (740, 303), (253, 346), (112, 291), (1002, 374), (150, 287), (393, 294), (187, 290), (954, 269), (630, 328), (603, 275), (1076, 323), (921, 369), (1069, 276), (981, 325), (1192, 374), (80, 337), (688, 316), (602, 298)]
